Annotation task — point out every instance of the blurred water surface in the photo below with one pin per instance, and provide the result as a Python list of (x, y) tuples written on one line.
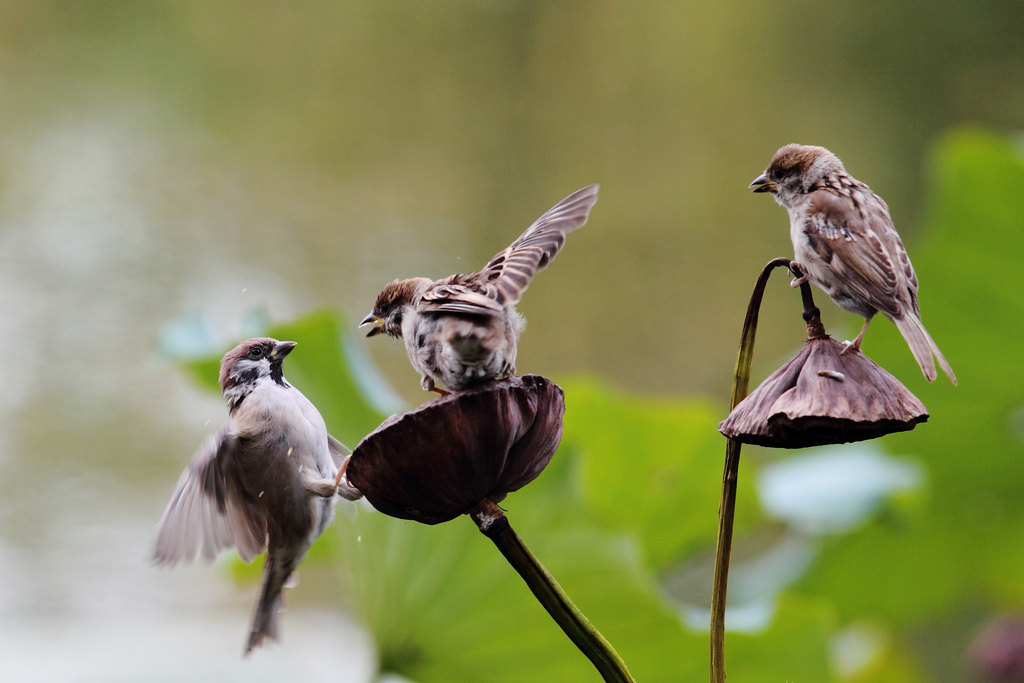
[(219, 161)]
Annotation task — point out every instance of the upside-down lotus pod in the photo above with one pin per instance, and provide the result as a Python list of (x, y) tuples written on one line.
[(439, 460)]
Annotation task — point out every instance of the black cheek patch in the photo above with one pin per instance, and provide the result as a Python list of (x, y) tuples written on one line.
[(247, 375)]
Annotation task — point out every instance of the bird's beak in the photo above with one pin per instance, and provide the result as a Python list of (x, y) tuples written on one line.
[(282, 349), (762, 184), (378, 325)]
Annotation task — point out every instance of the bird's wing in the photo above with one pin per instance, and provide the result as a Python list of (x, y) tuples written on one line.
[(898, 253), (339, 451), (459, 294), (858, 248), (506, 276), (207, 513)]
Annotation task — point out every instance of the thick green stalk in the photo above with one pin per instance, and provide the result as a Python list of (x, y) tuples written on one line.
[(727, 506), (493, 523)]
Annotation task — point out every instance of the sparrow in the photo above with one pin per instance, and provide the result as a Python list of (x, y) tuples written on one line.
[(268, 480), (464, 329), (845, 243)]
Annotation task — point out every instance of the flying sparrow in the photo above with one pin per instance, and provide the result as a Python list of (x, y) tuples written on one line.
[(266, 481), (845, 242), (464, 329)]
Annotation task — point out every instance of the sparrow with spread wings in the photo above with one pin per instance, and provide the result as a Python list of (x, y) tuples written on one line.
[(844, 240), (464, 329), (266, 481)]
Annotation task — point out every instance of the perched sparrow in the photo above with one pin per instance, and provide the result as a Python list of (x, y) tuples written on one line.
[(844, 239), (266, 481), (464, 329)]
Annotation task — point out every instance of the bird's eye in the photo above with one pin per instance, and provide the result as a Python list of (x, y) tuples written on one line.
[(256, 352)]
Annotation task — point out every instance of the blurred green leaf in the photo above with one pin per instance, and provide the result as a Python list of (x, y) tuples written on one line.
[(794, 648), (878, 661), (205, 371), (445, 606), (652, 467)]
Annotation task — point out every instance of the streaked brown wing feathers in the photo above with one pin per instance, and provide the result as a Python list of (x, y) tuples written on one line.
[(504, 279), (459, 294), (852, 246), (508, 274)]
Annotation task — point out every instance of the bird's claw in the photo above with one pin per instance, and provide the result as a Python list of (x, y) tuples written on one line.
[(341, 471), (341, 485), (799, 274)]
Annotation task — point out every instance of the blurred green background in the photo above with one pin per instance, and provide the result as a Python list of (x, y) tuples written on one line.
[(176, 176)]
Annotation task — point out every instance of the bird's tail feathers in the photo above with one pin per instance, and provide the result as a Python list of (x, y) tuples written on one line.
[(264, 616), (923, 347), (938, 354)]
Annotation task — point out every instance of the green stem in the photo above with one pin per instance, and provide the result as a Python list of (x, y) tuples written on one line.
[(727, 506), (493, 523)]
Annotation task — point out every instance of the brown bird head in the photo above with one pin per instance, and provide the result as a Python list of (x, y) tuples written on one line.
[(797, 170), (390, 307), (243, 366)]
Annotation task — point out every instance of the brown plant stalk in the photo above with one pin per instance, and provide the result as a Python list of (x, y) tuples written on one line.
[(727, 506), (493, 524)]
